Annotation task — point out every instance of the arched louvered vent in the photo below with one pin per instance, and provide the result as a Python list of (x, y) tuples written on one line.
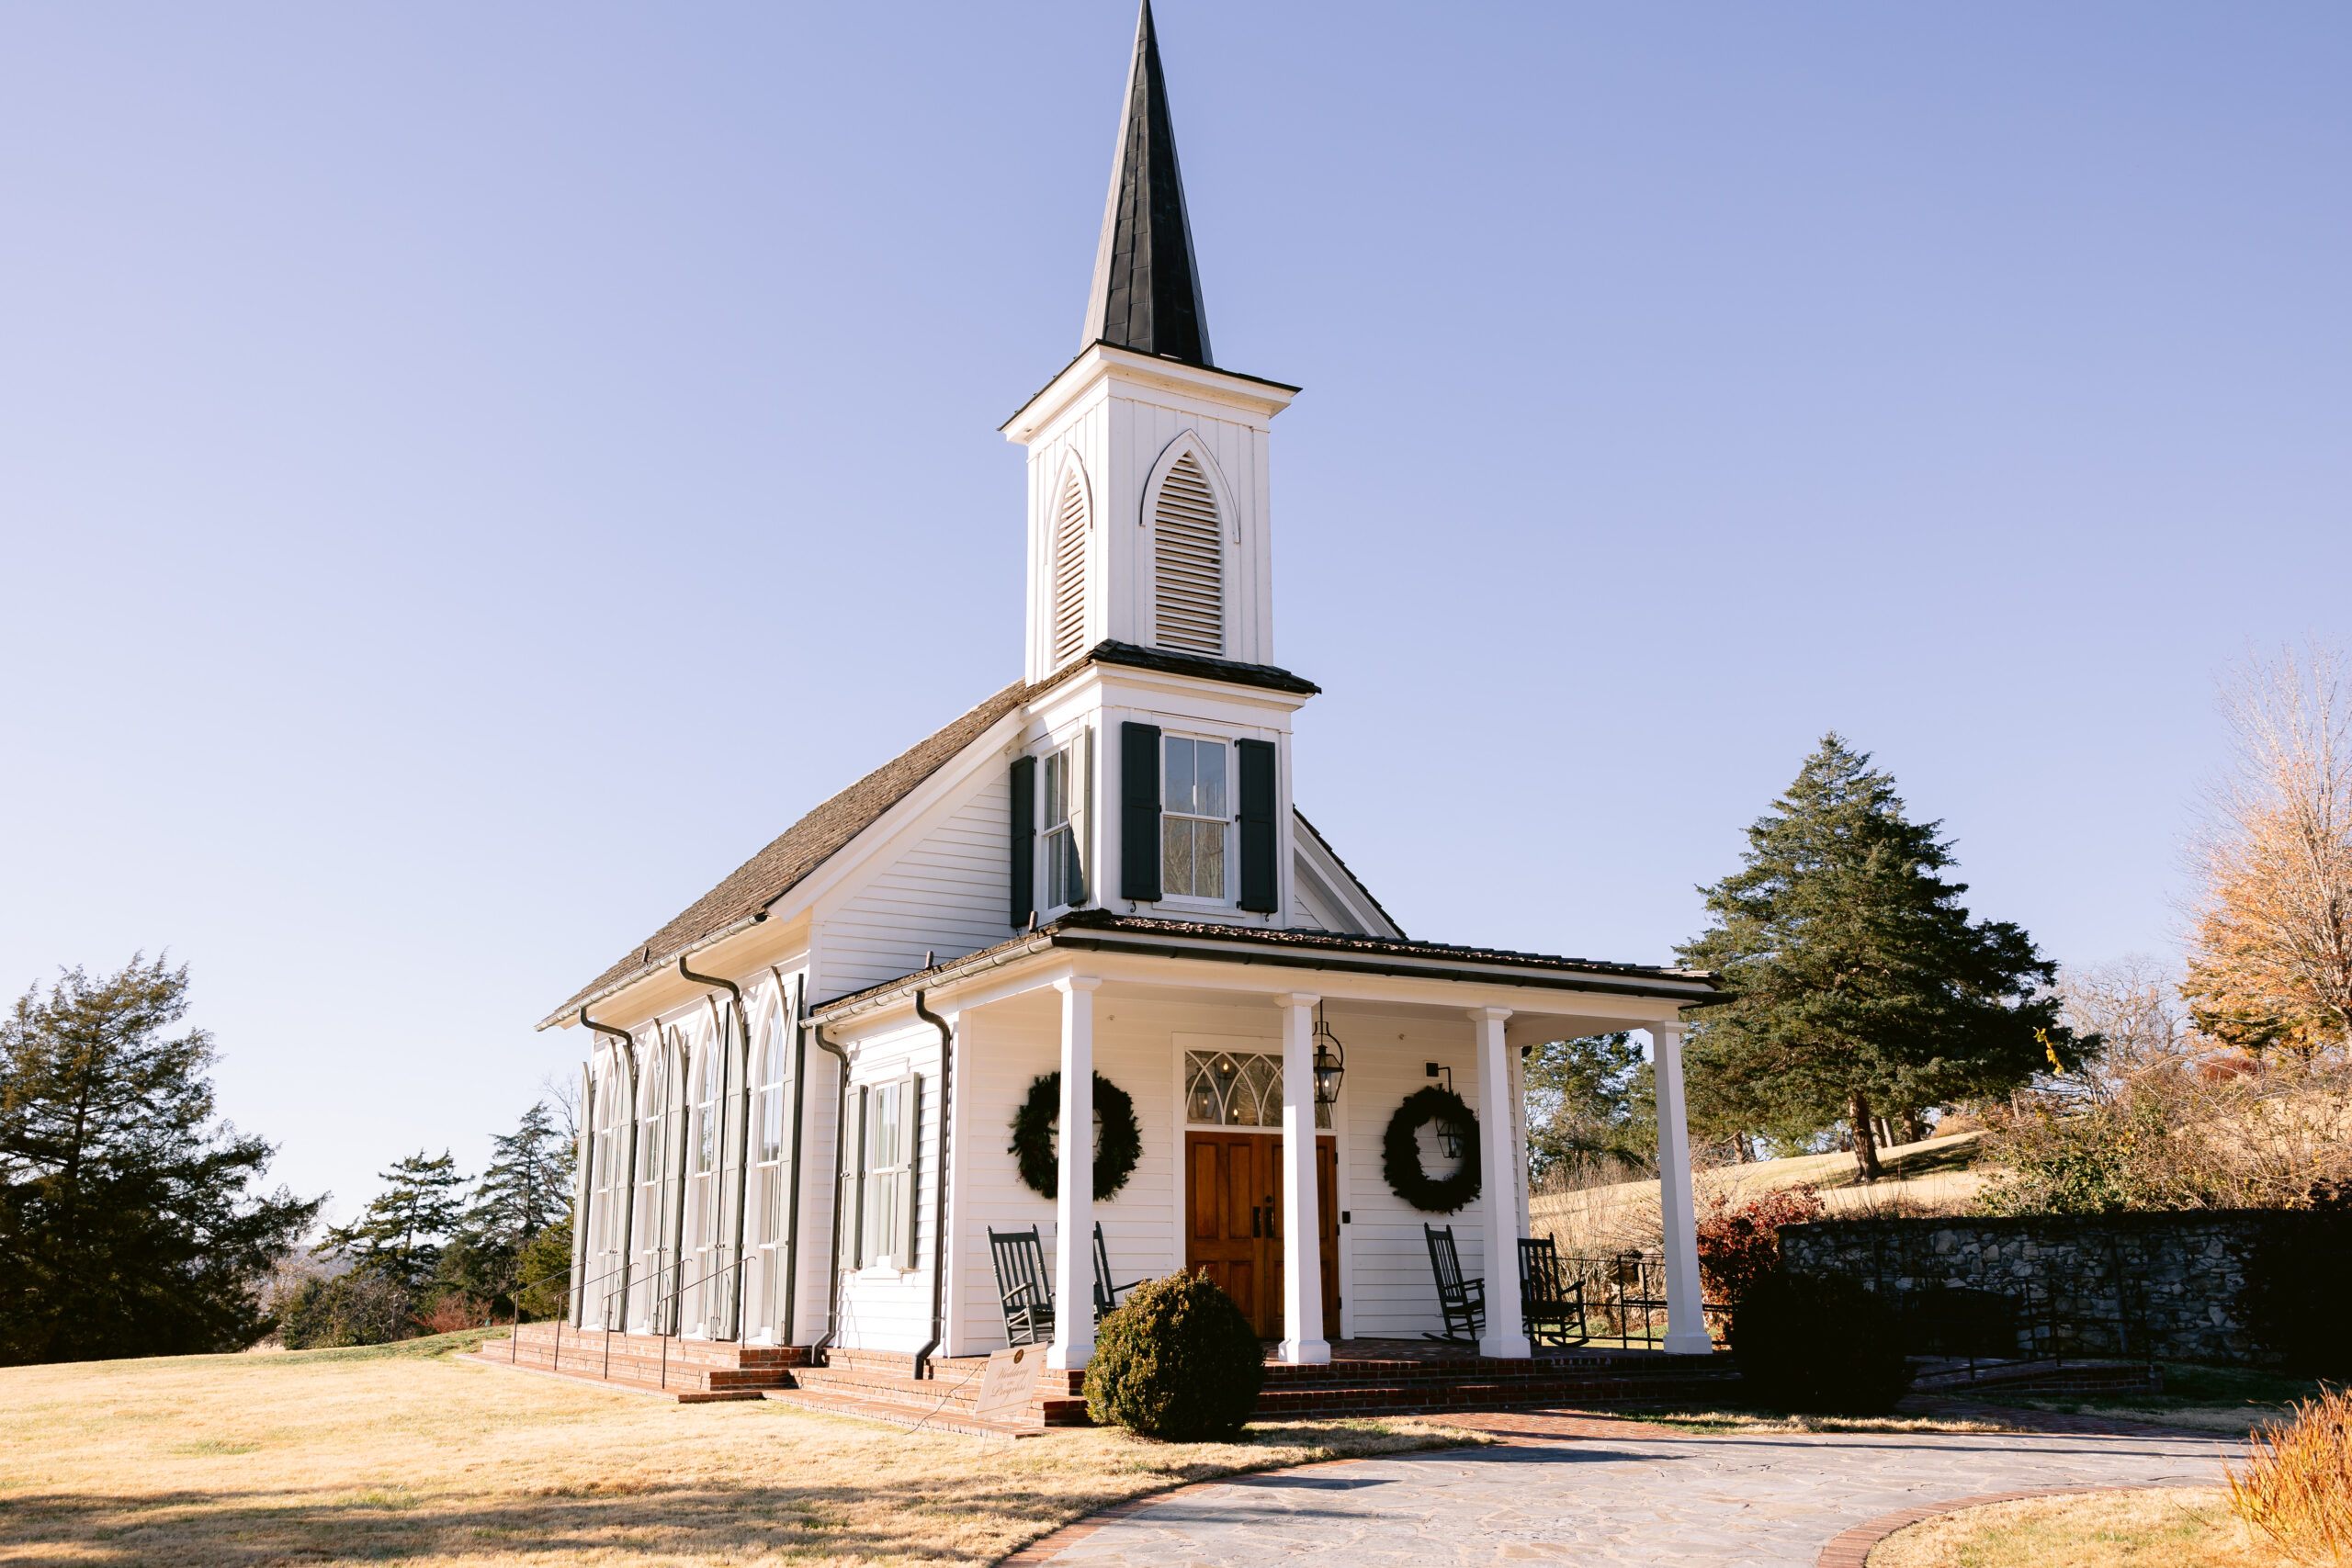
[(1069, 575), (1189, 563)]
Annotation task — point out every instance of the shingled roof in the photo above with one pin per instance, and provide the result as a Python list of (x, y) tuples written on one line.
[(816, 838), (800, 849)]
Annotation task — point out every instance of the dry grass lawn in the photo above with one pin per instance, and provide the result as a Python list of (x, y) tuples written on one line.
[(334, 1456), (2165, 1528)]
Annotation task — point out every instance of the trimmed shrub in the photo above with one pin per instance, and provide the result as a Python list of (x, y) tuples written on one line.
[(1818, 1342), (1178, 1361)]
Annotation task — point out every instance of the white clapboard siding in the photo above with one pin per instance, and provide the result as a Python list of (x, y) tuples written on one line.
[(1188, 563), (1006, 1047), (1070, 574), (890, 1309), (947, 894), (1391, 1295)]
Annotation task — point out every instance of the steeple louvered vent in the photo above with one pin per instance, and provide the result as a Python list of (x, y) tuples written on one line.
[(1188, 563), (1069, 575)]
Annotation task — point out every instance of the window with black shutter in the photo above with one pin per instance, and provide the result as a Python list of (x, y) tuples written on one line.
[(1258, 878), (1025, 840), (1139, 812)]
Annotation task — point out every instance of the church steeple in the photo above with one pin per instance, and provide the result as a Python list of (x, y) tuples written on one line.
[(1147, 294)]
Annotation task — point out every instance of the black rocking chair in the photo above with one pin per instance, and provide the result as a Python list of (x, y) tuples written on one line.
[(1551, 1310), (1464, 1301), (1020, 1286), (1106, 1294)]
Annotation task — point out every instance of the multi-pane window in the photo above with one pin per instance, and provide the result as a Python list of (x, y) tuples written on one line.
[(768, 1131), (1193, 815), (887, 1240), (1238, 1089), (1061, 790)]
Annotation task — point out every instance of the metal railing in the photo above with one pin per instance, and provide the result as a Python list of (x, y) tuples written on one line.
[(676, 1295), (1624, 1299)]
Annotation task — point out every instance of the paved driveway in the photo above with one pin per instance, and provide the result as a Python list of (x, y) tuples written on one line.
[(1622, 1498)]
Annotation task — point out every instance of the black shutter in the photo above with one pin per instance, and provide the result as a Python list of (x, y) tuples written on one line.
[(1025, 840), (1257, 801), (1139, 812)]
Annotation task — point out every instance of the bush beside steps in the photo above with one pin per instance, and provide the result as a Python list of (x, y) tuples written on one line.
[(1178, 1361)]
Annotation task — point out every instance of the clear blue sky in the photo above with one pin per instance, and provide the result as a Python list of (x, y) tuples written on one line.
[(471, 475)]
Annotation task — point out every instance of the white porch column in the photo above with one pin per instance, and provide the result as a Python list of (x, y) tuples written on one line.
[(1686, 1324), (1499, 1187), (1073, 1344), (1303, 1327)]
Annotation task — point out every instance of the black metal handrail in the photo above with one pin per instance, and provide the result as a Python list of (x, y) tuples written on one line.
[(1624, 1285), (677, 1293)]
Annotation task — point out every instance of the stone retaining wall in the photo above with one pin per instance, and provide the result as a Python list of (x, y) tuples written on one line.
[(2163, 1284)]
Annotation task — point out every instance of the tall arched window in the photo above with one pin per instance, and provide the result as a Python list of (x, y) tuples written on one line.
[(768, 1151), (647, 1224), (608, 1140), (1188, 563), (1069, 573), (703, 1196)]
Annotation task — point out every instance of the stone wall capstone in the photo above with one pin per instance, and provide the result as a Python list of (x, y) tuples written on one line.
[(2167, 1285)]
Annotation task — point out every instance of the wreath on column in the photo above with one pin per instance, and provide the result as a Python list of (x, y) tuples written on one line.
[(1401, 1152), (1032, 1136)]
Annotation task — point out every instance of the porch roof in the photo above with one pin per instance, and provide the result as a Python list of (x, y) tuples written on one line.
[(1100, 931)]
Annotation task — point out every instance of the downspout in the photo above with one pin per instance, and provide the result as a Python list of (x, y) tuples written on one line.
[(939, 1202), (792, 1210), (833, 1249), (742, 1146), (628, 1165)]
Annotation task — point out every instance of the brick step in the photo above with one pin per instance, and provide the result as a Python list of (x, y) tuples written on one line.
[(1407, 1398), (2046, 1377), (1360, 1369)]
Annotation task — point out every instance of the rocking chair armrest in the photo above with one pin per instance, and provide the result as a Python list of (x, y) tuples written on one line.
[(1474, 1290)]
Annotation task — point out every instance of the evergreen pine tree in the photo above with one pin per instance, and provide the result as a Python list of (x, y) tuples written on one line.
[(1859, 980), (1590, 1101), (127, 1227), (529, 1185), (399, 1233)]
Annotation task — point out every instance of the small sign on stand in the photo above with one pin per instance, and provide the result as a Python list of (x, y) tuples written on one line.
[(1009, 1383)]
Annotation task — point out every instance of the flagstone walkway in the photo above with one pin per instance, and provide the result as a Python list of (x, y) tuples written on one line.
[(1614, 1493)]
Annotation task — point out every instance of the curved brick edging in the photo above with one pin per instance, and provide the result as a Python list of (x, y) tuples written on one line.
[(1851, 1549)]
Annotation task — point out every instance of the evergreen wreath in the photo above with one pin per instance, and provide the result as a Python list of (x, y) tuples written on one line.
[(1401, 1152), (1032, 1136)]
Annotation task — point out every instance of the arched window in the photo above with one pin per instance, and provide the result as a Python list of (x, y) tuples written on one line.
[(1188, 563), (768, 1122), (647, 1225), (1069, 573), (703, 1198)]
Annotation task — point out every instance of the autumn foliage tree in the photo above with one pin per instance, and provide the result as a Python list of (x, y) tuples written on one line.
[(2270, 949)]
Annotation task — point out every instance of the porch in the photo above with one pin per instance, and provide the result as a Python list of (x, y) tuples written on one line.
[(1252, 1115), (1363, 1377)]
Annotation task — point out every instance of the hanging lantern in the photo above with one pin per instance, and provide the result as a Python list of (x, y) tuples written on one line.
[(1449, 1136), (1331, 1061)]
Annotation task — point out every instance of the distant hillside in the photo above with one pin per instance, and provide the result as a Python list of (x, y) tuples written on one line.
[(1938, 1176)]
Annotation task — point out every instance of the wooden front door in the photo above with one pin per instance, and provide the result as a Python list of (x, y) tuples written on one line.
[(1232, 1222)]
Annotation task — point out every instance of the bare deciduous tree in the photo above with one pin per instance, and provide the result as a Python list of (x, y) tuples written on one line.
[(2270, 950)]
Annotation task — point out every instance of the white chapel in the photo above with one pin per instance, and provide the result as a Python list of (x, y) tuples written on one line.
[(823, 1104)]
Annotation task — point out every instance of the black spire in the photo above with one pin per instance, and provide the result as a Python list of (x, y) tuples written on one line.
[(1146, 293)]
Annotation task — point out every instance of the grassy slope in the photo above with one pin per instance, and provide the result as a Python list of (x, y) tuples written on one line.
[(400, 1452), (1940, 1175), (2165, 1528)]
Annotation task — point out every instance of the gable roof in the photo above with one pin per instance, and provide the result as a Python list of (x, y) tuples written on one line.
[(788, 861)]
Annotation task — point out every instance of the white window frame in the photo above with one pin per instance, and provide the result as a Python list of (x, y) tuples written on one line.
[(1074, 758), (1226, 899), (887, 1171)]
